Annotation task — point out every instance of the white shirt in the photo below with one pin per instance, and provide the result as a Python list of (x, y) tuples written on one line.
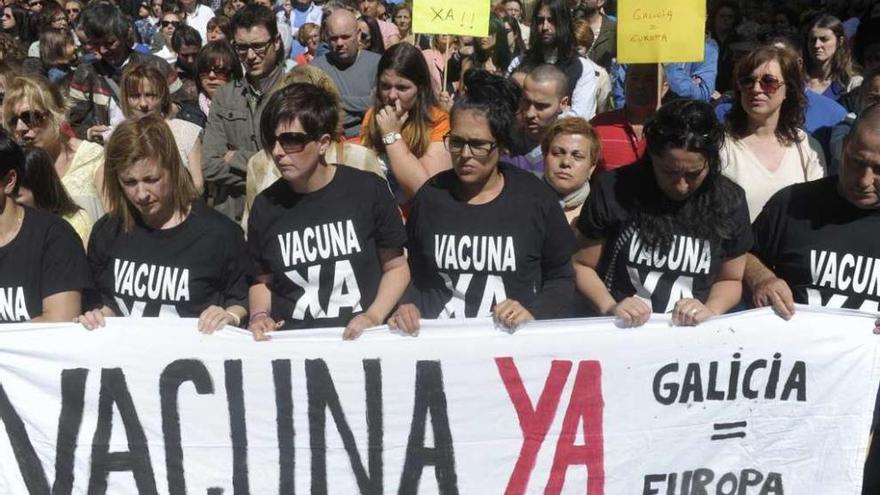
[(199, 20)]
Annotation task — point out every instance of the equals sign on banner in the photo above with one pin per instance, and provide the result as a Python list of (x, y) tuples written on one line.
[(728, 430)]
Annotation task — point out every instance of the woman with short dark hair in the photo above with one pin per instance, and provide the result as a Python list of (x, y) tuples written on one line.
[(216, 64), (669, 233), (326, 240)]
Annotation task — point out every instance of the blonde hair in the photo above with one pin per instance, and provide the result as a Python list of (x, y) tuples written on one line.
[(40, 96), (133, 78), (147, 137)]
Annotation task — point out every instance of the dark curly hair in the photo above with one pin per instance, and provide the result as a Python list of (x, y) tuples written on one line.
[(494, 96), (791, 115), (707, 213)]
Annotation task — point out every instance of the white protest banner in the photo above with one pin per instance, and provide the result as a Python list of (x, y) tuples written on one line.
[(743, 404)]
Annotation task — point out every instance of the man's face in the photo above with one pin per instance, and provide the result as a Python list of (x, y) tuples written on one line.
[(640, 87), (546, 26), (342, 35), (540, 105), (186, 56), (257, 50), (859, 180), (513, 10), (112, 50)]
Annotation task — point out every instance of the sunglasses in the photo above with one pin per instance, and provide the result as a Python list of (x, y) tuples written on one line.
[(294, 142), (165, 24), (218, 71), (36, 4), (768, 83), (30, 119)]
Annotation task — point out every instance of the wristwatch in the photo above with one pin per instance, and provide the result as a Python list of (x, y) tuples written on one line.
[(391, 138)]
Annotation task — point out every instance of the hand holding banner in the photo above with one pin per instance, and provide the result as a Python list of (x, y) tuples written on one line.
[(461, 17), (660, 31)]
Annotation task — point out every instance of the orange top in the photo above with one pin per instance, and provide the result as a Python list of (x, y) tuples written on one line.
[(439, 116)]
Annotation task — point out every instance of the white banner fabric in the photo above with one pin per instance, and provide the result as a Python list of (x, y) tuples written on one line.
[(743, 404)]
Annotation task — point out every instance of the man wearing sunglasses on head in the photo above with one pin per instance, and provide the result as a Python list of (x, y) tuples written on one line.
[(94, 89), (352, 69), (231, 135)]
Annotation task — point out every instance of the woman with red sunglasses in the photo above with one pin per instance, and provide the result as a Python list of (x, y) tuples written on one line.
[(766, 149)]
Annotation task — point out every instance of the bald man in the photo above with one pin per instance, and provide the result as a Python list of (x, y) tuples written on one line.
[(816, 243), (352, 69)]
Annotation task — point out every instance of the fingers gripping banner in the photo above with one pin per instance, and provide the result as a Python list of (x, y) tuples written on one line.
[(746, 404)]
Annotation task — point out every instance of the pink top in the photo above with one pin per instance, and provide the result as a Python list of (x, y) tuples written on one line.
[(388, 30)]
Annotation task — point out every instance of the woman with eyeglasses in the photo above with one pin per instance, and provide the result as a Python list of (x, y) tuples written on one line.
[(326, 241), (43, 269), (216, 65), (168, 23), (828, 61), (670, 233), (369, 35), (485, 238), (405, 126), (159, 251), (74, 7), (33, 113), (144, 90), (766, 149)]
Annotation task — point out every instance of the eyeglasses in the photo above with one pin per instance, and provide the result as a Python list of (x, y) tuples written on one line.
[(768, 83), (294, 142), (165, 24), (30, 119), (259, 49), (365, 37), (38, 3), (479, 148), (220, 72)]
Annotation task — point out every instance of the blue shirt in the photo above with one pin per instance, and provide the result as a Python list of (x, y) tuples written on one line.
[(822, 112)]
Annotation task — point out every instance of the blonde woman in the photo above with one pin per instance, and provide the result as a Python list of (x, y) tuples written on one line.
[(155, 225), (33, 113)]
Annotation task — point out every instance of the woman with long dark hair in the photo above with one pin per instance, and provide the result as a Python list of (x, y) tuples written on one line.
[(670, 232), (827, 60), (369, 35), (492, 52), (486, 238), (405, 125)]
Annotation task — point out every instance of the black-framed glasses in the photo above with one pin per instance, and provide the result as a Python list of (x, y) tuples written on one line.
[(165, 24), (768, 83), (294, 142), (30, 118), (479, 147), (259, 49)]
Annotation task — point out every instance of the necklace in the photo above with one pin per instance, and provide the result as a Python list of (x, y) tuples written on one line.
[(9, 236)]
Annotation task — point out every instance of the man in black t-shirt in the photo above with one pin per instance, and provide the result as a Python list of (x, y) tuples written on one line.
[(816, 243)]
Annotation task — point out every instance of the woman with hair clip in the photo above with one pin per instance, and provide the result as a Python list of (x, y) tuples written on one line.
[(405, 126), (41, 188), (33, 112), (766, 149), (43, 268), (326, 241), (492, 52), (827, 60), (159, 251), (670, 232), (486, 238)]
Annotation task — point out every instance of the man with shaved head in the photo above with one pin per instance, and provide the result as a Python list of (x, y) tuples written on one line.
[(817, 243), (352, 69), (544, 99)]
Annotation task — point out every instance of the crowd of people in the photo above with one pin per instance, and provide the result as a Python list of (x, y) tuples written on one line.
[(296, 165)]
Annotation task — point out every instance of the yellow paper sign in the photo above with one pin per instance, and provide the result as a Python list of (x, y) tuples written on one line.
[(461, 17), (661, 31)]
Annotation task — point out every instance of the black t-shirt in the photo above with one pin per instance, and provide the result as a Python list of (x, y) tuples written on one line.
[(661, 277), (825, 248), (466, 258), (170, 272), (322, 248), (46, 257)]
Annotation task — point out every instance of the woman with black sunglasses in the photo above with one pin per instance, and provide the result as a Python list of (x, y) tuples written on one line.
[(326, 240), (668, 234), (766, 149), (485, 238)]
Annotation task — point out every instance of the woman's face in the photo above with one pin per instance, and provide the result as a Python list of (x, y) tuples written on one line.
[(216, 76), (679, 172), (568, 164), (8, 19), (168, 25), (143, 101), (487, 43), (297, 154), (156, 8), (215, 34), (364, 36), (511, 37), (763, 91), (476, 162), (59, 21), (822, 44), (147, 186), (724, 19), (72, 9), (441, 41), (403, 20), (31, 126), (394, 88), (312, 41)]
